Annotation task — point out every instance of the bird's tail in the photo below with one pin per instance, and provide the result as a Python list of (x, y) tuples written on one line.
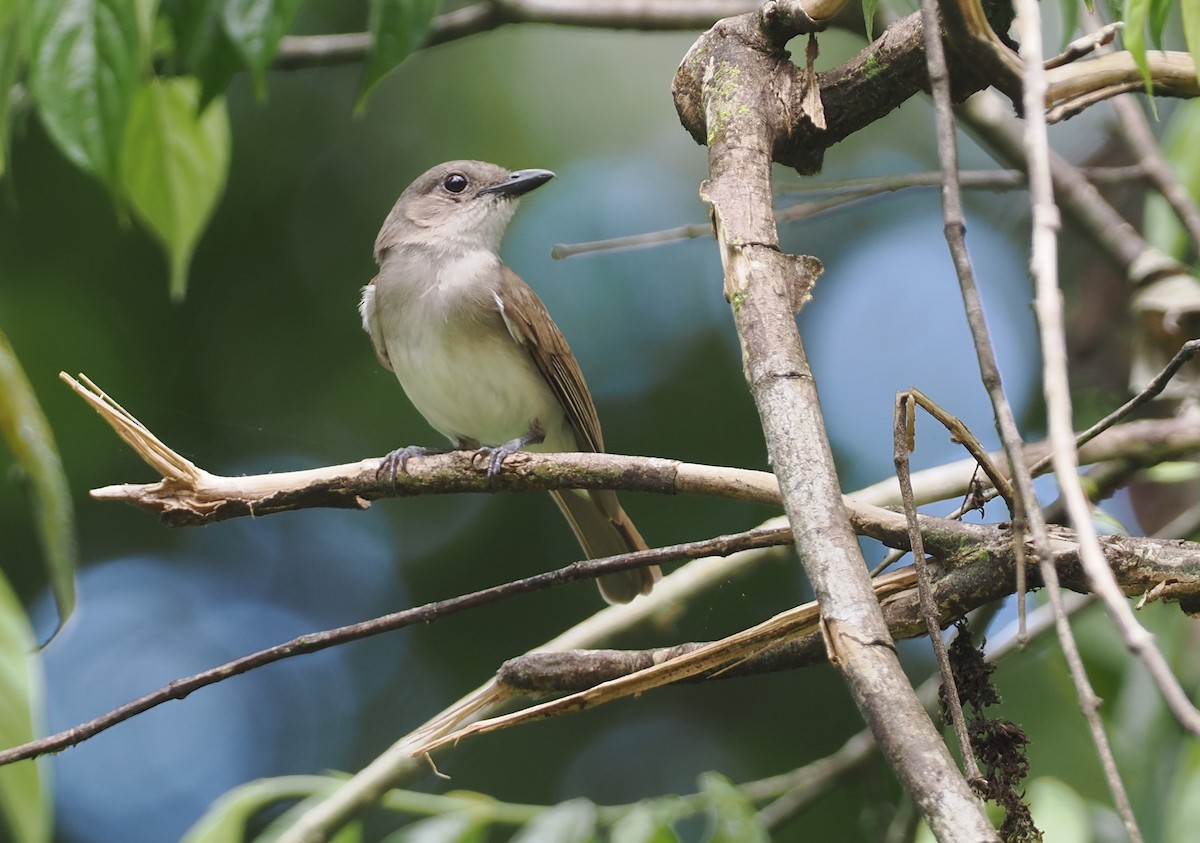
[(603, 529)]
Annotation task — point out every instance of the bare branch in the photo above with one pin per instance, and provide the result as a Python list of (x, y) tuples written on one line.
[(315, 642), (297, 52), (728, 91)]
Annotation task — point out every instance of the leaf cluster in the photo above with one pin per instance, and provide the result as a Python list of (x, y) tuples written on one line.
[(131, 92)]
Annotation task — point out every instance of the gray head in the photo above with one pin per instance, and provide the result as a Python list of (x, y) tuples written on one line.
[(457, 206)]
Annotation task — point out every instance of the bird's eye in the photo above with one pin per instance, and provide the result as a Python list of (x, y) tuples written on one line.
[(455, 182)]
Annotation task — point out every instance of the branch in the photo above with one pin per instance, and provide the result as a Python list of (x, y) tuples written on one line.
[(188, 495), (427, 613), (977, 565), (297, 52), (737, 88)]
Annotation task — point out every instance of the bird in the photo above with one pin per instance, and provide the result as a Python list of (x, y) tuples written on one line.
[(476, 351)]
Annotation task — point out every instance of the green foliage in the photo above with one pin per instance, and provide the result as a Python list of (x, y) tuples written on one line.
[(732, 814), (256, 27), (869, 7), (567, 822), (174, 164), (25, 429), (1135, 16), (226, 820), (1180, 143), (397, 28), (13, 15), (124, 119), (24, 807), (465, 817), (1152, 15), (84, 66)]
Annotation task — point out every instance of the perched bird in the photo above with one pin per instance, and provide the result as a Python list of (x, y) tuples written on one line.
[(475, 349)]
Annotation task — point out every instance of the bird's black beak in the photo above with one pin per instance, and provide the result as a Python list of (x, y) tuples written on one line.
[(519, 182)]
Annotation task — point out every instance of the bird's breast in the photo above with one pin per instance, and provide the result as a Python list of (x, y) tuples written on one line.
[(455, 358)]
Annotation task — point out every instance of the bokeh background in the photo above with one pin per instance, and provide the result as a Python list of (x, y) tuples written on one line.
[(265, 367)]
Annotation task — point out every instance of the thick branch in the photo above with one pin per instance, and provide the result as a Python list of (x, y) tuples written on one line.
[(733, 82)]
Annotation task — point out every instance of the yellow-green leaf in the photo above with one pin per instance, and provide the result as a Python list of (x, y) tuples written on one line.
[(24, 805), (1134, 37), (25, 429), (174, 165)]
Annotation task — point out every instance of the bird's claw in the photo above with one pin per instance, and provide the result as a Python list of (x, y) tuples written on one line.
[(396, 462)]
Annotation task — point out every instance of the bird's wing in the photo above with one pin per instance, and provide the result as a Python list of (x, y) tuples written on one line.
[(370, 322), (531, 326)]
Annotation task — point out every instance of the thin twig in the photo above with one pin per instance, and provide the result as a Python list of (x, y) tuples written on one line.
[(846, 192), (678, 588), (955, 230), (427, 613), (1056, 388), (902, 444)]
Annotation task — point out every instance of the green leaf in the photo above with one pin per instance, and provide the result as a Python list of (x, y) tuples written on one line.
[(1059, 811), (647, 822), (28, 435), (448, 828), (85, 59), (397, 28), (1160, 11), (869, 8), (1180, 141), (1189, 12), (1069, 13), (12, 58), (24, 803), (175, 162), (256, 27), (225, 821), (566, 822), (202, 46), (733, 815), (1134, 37)]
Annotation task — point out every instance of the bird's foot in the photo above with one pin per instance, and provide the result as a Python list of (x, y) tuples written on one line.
[(497, 455), (395, 463)]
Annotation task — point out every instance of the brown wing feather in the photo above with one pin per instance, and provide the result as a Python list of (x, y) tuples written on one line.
[(524, 311)]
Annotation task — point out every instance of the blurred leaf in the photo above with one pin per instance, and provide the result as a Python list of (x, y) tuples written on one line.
[(733, 814), (646, 823), (1173, 472), (1189, 12), (566, 822), (28, 435), (448, 828), (1133, 35), (256, 28), (225, 820), (24, 802), (397, 28), (85, 59), (13, 13), (869, 7), (1180, 142), (1160, 11), (1069, 13), (1183, 799), (202, 45), (175, 163), (1059, 812)]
